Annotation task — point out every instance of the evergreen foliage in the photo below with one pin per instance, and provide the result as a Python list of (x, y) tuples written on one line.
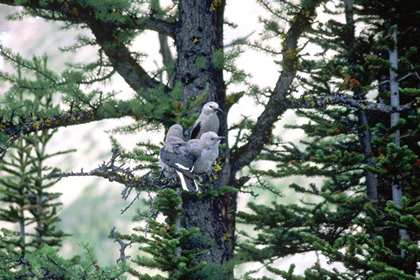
[(45, 263), (29, 248), (337, 218), (30, 207), (167, 243), (358, 94)]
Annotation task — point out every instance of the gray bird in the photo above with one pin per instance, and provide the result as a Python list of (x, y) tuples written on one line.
[(206, 151), (175, 157), (207, 121)]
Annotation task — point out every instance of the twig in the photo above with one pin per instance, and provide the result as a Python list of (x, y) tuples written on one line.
[(152, 212), (131, 203), (122, 244)]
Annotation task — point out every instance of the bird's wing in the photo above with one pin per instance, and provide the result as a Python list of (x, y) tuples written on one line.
[(183, 166), (179, 162), (195, 131)]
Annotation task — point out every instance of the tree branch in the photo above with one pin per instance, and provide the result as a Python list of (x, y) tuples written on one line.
[(125, 176), (28, 126), (277, 103), (75, 13), (103, 111), (347, 101), (106, 31), (122, 244), (280, 99), (122, 59)]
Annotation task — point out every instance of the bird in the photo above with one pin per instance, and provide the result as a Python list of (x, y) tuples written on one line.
[(175, 157), (205, 151), (207, 121)]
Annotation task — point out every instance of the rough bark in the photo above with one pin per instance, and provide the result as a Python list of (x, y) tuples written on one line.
[(199, 36), (198, 39)]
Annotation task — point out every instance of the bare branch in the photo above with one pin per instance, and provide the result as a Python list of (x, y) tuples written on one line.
[(153, 212), (123, 245), (125, 176), (135, 198)]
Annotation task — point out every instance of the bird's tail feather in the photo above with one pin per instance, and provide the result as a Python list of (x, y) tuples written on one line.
[(187, 183)]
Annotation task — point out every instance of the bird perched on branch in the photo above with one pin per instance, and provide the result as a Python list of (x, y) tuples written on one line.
[(175, 157), (207, 121), (206, 151)]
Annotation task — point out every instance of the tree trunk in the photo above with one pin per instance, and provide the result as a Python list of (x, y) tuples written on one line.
[(365, 137), (397, 188), (198, 39)]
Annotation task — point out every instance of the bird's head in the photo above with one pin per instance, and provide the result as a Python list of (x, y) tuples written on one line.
[(175, 131), (211, 138), (211, 107)]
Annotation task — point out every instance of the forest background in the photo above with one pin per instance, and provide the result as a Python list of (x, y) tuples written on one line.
[(294, 154)]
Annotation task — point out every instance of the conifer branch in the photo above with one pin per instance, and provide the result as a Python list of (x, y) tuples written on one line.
[(30, 125), (365, 135), (347, 101), (107, 32), (77, 13), (98, 112)]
